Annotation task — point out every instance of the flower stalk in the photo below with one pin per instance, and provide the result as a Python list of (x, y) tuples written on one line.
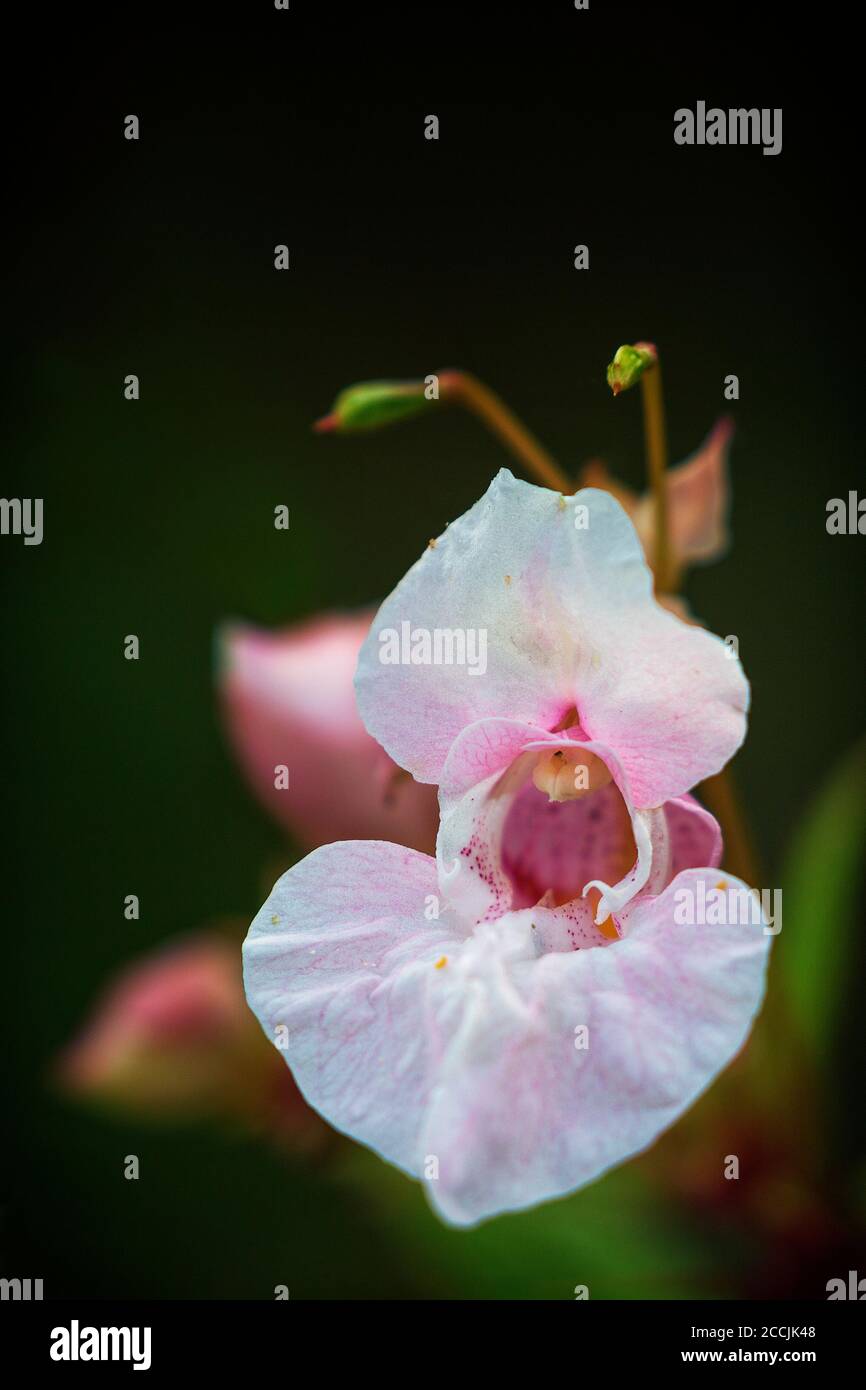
[(719, 795), (640, 362), (630, 364), (657, 462), (372, 404), (466, 390)]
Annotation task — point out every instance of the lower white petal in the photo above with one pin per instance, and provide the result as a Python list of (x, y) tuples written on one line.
[(502, 1071)]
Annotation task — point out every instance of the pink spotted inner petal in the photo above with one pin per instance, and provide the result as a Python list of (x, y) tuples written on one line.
[(556, 848)]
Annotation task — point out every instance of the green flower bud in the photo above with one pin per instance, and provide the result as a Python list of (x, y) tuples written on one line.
[(370, 404), (629, 364)]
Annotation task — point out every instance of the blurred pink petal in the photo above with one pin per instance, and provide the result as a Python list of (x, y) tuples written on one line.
[(698, 498), (173, 1037), (289, 700)]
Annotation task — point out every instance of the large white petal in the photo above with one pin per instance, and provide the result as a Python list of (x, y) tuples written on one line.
[(569, 619), (341, 959), (454, 1056), (521, 1114)]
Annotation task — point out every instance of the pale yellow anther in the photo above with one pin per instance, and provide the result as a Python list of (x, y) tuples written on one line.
[(569, 774)]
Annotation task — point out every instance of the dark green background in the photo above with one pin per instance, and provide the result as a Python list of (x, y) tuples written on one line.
[(407, 256)]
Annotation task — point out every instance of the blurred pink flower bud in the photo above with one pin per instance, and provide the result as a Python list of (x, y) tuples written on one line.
[(289, 701), (173, 1038)]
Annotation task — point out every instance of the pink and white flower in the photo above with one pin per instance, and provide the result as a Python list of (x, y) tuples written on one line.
[(514, 1018)]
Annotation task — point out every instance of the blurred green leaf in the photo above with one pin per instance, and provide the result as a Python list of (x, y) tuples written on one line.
[(821, 880), (616, 1236)]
